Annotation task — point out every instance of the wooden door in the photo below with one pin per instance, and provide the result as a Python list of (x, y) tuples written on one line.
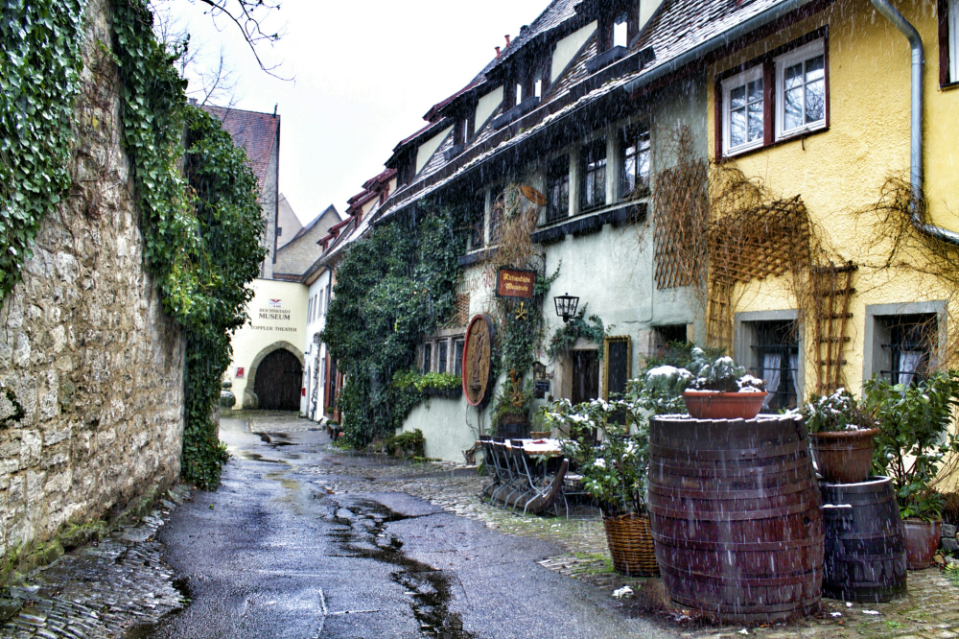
[(585, 376), (279, 378)]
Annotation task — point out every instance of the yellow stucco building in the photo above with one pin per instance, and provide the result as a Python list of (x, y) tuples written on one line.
[(267, 366), (809, 126)]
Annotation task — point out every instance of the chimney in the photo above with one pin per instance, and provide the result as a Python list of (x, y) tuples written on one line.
[(497, 52), (507, 40)]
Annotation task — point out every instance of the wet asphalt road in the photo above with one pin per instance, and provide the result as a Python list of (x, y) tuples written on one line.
[(273, 554)]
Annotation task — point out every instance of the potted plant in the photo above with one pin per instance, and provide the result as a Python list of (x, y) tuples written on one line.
[(722, 389), (512, 406), (841, 433), (911, 446), (432, 384), (613, 472)]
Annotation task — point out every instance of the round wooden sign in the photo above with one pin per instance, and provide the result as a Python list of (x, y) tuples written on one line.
[(477, 359)]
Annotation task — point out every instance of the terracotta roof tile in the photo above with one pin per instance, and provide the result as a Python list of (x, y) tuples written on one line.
[(257, 133)]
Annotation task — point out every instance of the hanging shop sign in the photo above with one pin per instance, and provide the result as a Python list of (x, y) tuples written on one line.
[(477, 359), (515, 283), (533, 195)]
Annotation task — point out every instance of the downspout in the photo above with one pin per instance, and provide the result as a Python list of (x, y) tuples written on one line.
[(915, 169)]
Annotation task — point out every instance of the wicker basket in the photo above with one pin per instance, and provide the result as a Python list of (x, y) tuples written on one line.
[(631, 544)]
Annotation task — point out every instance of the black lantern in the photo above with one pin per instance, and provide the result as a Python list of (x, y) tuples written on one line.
[(566, 306)]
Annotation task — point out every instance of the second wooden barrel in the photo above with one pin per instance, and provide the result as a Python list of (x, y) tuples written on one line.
[(735, 513), (865, 547)]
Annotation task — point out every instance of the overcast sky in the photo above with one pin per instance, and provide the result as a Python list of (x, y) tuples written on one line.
[(365, 74)]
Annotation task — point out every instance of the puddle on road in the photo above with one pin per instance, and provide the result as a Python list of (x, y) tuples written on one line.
[(429, 589), (245, 454)]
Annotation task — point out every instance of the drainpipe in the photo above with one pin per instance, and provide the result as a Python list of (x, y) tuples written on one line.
[(915, 169)]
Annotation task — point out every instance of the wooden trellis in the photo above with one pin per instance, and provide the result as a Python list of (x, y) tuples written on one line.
[(831, 290), (679, 225), (767, 240)]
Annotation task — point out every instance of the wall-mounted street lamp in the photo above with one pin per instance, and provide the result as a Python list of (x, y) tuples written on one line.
[(566, 306)]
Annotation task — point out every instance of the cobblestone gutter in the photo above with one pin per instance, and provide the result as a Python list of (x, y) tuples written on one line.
[(103, 591)]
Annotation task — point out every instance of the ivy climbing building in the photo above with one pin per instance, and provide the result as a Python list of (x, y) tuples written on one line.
[(705, 171)]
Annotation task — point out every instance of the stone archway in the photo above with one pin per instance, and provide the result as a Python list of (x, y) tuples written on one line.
[(251, 400)]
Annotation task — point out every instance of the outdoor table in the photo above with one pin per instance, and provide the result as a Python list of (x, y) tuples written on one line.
[(531, 476), (534, 447), (549, 447)]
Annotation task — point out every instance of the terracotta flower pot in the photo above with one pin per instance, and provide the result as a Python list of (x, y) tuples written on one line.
[(844, 457), (922, 541), (718, 405)]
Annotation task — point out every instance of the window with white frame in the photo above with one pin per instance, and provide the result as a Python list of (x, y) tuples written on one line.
[(634, 149), (801, 90), (953, 29), (755, 114), (743, 110)]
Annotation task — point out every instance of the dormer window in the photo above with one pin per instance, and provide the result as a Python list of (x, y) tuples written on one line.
[(618, 26), (463, 131), (621, 30)]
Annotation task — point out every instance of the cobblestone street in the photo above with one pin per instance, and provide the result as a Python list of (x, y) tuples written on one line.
[(122, 587), (100, 591)]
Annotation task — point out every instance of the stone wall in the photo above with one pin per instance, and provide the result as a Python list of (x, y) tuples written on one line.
[(91, 404)]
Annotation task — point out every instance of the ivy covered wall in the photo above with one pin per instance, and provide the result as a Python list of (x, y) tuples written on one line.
[(128, 229), (392, 288)]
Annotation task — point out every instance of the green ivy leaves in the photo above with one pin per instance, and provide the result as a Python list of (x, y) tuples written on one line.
[(392, 288), (201, 225), (40, 64)]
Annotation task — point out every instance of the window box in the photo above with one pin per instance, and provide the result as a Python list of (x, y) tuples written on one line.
[(586, 224), (444, 393), (452, 152), (778, 97), (603, 60), (516, 112)]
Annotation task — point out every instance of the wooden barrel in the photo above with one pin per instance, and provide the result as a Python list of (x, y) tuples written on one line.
[(735, 513), (865, 549)]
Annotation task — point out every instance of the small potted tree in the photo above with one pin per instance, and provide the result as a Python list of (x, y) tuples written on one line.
[(613, 472), (912, 444), (722, 389), (841, 433)]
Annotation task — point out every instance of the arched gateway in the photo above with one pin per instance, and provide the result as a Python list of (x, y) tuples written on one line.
[(275, 378)]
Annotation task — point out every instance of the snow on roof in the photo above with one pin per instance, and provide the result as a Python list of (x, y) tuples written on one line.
[(679, 26)]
